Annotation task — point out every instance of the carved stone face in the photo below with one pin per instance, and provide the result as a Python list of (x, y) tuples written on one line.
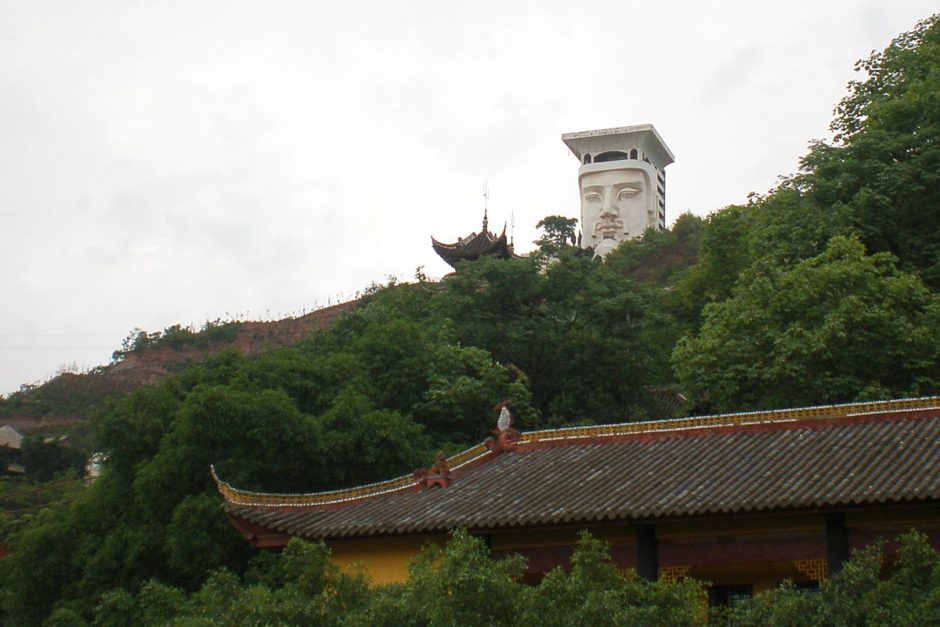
[(616, 205)]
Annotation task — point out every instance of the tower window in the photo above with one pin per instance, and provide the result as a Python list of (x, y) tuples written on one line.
[(613, 155), (587, 158), (633, 154)]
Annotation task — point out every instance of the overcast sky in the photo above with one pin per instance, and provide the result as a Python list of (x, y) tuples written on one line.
[(173, 162)]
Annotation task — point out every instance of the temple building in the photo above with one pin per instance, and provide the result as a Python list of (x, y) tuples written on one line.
[(742, 500), (474, 246)]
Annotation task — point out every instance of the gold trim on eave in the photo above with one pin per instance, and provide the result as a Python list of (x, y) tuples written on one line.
[(236, 496)]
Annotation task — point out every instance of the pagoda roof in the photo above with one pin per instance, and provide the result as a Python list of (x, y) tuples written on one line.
[(474, 246), (786, 460)]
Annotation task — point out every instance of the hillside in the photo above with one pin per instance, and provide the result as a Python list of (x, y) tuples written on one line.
[(71, 398)]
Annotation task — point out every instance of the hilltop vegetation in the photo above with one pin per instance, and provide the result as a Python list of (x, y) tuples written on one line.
[(824, 290), (145, 358)]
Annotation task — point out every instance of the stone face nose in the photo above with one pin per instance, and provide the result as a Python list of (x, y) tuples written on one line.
[(607, 207)]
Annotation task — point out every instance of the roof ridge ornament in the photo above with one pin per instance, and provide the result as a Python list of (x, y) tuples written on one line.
[(437, 475), (505, 438)]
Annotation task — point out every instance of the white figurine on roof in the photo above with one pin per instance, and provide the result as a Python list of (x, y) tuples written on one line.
[(504, 420)]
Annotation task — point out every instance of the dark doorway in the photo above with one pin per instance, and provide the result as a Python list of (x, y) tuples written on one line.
[(729, 596)]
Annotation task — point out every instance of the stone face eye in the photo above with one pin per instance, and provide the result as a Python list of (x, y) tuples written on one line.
[(592, 197), (627, 192)]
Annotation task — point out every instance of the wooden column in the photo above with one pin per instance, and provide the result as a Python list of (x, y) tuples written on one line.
[(647, 552), (837, 543)]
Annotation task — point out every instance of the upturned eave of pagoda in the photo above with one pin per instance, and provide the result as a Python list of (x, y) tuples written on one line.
[(479, 455), (473, 247)]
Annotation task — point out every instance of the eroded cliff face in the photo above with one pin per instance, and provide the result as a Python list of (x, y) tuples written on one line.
[(71, 398)]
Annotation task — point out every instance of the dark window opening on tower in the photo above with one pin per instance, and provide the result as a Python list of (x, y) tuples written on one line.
[(587, 159), (613, 155), (633, 154)]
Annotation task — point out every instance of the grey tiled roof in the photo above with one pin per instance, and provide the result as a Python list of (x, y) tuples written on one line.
[(890, 457), (471, 249)]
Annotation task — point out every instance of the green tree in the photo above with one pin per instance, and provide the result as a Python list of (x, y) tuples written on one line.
[(859, 594), (44, 459), (557, 232), (841, 326), (583, 333), (362, 444), (29, 596), (455, 585), (462, 389), (595, 593), (884, 170)]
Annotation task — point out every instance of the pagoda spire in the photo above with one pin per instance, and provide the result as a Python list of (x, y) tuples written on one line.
[(486, 197), (476, 245)]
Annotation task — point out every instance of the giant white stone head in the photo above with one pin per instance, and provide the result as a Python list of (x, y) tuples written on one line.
[(617, 204), (622, 183)]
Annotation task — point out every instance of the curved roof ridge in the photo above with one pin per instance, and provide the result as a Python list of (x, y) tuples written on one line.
[(238, 496), (841, 410)]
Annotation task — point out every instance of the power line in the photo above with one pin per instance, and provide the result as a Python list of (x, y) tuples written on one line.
[(34, 348), (58, 334), (48, 486), (32, 507)]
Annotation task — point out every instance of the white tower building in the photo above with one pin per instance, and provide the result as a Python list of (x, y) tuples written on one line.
[(622, 183)]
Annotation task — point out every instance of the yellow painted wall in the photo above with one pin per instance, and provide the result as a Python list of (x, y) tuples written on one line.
[(384, 559)]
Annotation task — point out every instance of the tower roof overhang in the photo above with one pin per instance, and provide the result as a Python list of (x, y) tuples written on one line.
[(617, 139)]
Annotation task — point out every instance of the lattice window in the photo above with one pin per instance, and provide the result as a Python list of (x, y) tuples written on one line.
[(670, 574), (816, 570)]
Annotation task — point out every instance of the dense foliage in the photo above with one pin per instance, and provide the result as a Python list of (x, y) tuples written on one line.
[(824, 290), (454, 585), (868, 591), (460, 584), (176, 336), (839, 326)]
